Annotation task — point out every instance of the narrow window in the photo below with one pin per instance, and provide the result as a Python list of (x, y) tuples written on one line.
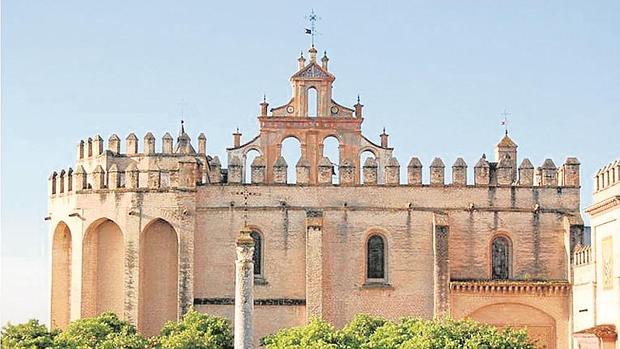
[(376, 258), (313, 102), (500, 251), (257, 257)]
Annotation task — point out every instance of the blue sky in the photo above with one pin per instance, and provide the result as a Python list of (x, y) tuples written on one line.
[(436, 74)]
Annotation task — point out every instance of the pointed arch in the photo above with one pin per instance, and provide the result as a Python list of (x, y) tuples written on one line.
[(159, 273), (103, 269), (61, 276)]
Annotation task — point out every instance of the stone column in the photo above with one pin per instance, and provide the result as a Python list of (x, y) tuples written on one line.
[(441, 270), (244, 285), (314, 264)]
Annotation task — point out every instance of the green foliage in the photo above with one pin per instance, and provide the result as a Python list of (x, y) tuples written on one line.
[(105, 331), (31, 335), (197, 331), (367, 332)]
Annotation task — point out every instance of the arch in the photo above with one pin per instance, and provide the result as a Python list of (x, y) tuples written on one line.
[(365, 154), (331, 149), (376, 260), (61, 276), (312, 95), (291, 151), (159, 273), (248, 158), (501, 257), (540, 325), (103, 269), (257, 258)]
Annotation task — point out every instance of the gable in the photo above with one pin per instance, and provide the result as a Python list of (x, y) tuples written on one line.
[(312, 71)]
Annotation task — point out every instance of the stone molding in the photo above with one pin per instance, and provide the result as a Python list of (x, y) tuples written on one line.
[(604, 205), (535, 288)]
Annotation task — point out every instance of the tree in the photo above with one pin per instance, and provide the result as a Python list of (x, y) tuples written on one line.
[(31, 335), (367, 332), (197, 331), (105, 331)]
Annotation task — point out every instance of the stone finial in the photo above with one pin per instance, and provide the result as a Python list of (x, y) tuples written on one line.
[(324, 60), (504, 171), (459, 172), (369, 171), (132, 144), (258, 170), (114, 144), (149, 143), (302, 169), (549, 173), (81, 150), (132, 176), (235, 170), (437, 172), (301, 61), (97, 145), (167, 143), (392, 172), (184, 143), (202, 144), (280, 169), (98, 178), (526, 173), (384, 139), (570, 173), (358, 108), (113, 177), (80, 178), (236, 139), (414, 171), (312, 54), (482, 171), (215, 170), (264, 107), (326, 170), (347, 172)]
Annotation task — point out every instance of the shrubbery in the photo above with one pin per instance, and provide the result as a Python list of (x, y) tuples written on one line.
[(201, 331)]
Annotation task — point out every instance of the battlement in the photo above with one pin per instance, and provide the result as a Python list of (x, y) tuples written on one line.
[(607, 176), (175, 166)]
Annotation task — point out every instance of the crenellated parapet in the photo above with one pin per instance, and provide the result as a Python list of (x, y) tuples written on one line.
[(149, 167), (607, 176)]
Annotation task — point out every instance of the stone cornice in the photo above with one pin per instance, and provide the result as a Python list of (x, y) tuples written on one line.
[(538, 288), (604, 205)]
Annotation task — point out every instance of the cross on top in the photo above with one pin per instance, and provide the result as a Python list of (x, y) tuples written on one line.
[(312, 18), (246, 195), (505, 114)]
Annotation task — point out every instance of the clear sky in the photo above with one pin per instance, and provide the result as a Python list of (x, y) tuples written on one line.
[(436, 74)]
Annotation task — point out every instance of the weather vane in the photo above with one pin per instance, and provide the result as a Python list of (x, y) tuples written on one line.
[(505, 114), (312, 18)]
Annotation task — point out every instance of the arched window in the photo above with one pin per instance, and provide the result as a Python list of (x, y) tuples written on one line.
[(313, 102), (375, 268), (257, 258), (500, 258)]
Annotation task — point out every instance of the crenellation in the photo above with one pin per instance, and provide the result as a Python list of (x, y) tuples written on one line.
[(482, 174), (98, 178), (149, 143), (235, 170), (347, 172), (526, 173), (114, 144), (392, 172), (70, 180), (80, 150), (167, 143), (437, 172), (53, 181), (280, 169), (113, 177), (326, 169), (504, 171), (302, 171), (80, 178), (549, 174), (459, 172), (414, 171), (97, 145), (61, 181), (202, 144), (258, 170), (370, 171), (132, 144), (215, 175), (89, 147)]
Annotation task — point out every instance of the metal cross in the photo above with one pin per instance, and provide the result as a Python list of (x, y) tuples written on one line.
[(312, 18), (246, 195), (505, 114)]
